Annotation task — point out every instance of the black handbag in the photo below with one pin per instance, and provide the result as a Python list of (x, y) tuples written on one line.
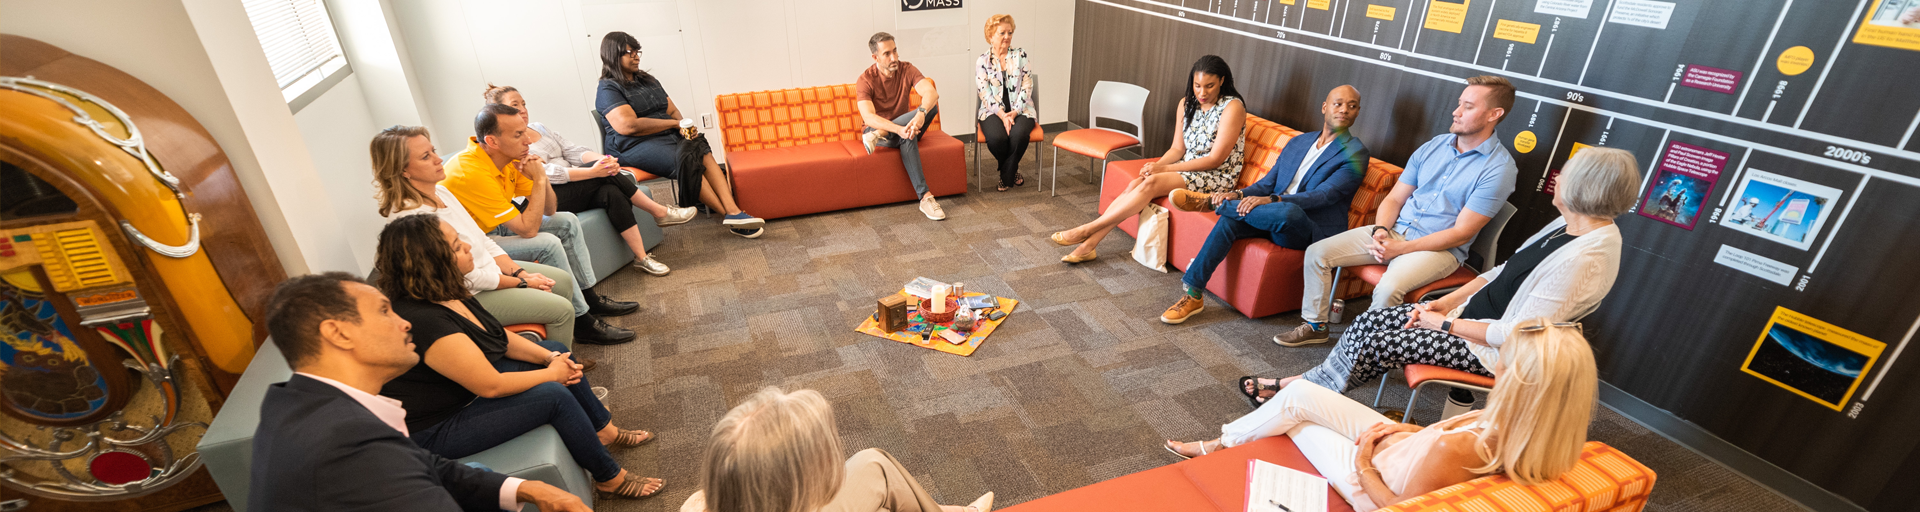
[(693, 168)]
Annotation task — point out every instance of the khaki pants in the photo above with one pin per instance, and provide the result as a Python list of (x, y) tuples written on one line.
[(1404, 273), (876, 482), (530, 306)]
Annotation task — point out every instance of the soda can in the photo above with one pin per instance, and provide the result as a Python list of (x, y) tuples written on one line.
[(1339, 307)]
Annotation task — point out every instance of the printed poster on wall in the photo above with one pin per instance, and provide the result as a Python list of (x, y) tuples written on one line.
[(1685, 178), (1811, 358), (1893, 24), (1780, 209)]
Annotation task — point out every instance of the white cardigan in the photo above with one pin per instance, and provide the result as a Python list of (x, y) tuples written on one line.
[(1566, 286)]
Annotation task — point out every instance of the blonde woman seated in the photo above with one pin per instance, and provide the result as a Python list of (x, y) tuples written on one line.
[(1205, 157), (1532, 429), (780, 452), (1560, 274)]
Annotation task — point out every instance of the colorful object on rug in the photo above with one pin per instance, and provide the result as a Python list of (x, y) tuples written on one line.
[(912, 336)]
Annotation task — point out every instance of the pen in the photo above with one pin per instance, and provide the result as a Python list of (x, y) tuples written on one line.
[(1283, 508)]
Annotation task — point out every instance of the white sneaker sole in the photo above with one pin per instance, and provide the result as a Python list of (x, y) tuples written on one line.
[(1170, 321), (1276, 341), (752, 223), (755, 234)]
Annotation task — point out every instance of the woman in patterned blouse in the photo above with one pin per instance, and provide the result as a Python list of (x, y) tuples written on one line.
[(1199, 160), (1006, 100)]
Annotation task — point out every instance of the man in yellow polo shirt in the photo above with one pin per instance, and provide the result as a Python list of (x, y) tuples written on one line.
[(495, 168)]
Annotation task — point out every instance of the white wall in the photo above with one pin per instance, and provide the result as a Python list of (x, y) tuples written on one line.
[(337, 126), (699, 48)]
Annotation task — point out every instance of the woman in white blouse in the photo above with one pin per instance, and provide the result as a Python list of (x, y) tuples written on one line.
[(1559, 275), (1006, 113), (585, 180)]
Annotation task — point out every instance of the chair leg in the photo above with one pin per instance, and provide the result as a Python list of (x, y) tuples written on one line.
[(976, 166), (1056, 173), (1407, 416), (1377, 392)]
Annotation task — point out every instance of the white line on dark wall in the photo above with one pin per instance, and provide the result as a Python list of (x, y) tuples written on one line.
[(1596, 43), (1543, 56), (1817, 83), (1769, 112), (1890, 359), (1909, 135), (1737, 172), (1669, 98), (1837, 221), (1483, 34), (1762, 58)]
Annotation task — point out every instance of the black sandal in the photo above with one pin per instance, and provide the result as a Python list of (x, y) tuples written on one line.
[(1254, 397), (1001, 188), (1018, 180)]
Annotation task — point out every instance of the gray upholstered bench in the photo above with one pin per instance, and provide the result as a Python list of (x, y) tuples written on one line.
[(608, 251), (227, 447)]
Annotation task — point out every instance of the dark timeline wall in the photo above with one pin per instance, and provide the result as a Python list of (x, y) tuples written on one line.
[(1768, 283)]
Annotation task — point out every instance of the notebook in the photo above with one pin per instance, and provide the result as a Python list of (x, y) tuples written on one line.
[(1276, 488)]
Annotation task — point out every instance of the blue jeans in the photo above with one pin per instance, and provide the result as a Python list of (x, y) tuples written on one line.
[(909, 149), (490, 422), (559, 244), (1283, 223)]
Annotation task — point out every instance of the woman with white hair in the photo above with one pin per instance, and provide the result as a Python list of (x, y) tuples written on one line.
[(780, 452), (1532, 429), (1560, 274)]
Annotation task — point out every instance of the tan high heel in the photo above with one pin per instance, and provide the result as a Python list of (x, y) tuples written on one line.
[(1070, 258), (983, 504)]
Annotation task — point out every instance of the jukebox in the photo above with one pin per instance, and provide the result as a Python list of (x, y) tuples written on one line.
[(126, 253)]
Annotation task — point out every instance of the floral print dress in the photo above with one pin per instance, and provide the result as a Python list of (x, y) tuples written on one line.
[(1200, 133)]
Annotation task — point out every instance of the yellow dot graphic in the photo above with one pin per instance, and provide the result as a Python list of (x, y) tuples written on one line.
[(1525, 141), (1795, 60)]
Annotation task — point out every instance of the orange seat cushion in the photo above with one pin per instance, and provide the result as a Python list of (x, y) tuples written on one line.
[(1371, 274), (1093, 142), (1418, 373), (1604, 480), (1213, 482), (639, 175), (792, 117), (540, 329)]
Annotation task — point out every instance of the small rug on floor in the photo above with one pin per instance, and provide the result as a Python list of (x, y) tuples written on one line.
[(912, 335)]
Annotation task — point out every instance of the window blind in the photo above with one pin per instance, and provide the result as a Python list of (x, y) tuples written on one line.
[(296, 34)]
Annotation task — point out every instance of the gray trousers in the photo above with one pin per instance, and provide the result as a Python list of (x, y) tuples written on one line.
[(560, 244), (528, 306), (909, 149)]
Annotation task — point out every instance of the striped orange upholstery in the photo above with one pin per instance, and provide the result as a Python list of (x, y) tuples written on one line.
[(1265, 139), (792, 117), (1604, 480)]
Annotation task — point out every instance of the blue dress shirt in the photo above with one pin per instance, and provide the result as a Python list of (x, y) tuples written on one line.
[(1445, 180)]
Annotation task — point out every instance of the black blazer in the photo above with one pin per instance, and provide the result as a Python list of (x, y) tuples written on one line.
[(318, 449), (1327, 191)]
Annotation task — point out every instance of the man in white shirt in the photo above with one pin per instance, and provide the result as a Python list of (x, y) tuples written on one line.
[(1320, 171), (328, 442)]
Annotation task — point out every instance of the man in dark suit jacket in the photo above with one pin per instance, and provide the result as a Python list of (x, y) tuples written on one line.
[(1303, 198), (327, 441)]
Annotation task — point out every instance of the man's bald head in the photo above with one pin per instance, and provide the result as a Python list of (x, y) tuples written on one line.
[(1340, 109)]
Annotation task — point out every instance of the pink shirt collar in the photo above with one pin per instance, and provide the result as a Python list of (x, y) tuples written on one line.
[(387, 409)]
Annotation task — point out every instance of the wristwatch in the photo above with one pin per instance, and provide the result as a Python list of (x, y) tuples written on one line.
[(523, 282), (1377, 228), (1446, 326), (517, 271)]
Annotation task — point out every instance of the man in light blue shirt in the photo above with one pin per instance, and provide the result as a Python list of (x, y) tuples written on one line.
[(1453, 185)]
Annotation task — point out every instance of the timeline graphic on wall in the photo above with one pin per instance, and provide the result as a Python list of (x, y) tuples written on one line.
[(1780, 192)]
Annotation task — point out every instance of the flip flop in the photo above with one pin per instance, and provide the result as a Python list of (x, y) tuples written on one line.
[(631, 489)]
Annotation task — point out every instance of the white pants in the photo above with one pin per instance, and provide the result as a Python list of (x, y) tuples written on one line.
[(1404, 272), (1324, 424)]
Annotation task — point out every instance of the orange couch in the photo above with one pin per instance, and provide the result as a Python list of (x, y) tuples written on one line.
[(797, 151), (1604, 480), (1258, 278)]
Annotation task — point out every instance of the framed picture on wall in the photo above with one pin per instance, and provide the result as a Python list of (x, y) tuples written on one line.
[(1811, 358), (1781, 209)]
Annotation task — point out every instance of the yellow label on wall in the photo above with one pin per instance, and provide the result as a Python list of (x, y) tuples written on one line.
[(1795, 60), (1287, 2), (1576, 149), (1888, 29), (1446, 16), (1516, 31), (1811, 358), (1525, 141), (1319, 4), (1380, 12)]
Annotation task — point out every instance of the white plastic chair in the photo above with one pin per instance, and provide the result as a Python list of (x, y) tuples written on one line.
[(1117, 101)]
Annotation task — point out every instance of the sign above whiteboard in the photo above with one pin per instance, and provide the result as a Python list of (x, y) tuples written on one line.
[(928, 5)]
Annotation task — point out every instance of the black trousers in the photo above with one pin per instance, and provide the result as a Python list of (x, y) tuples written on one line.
[(614, 193), (1008, 150)]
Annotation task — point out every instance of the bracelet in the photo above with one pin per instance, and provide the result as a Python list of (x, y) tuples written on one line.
[(1377, 228)]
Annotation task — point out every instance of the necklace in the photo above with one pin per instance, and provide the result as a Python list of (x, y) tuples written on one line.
[(1556, 234)]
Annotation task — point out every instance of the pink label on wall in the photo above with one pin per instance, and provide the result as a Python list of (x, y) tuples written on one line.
[(1712, 79)]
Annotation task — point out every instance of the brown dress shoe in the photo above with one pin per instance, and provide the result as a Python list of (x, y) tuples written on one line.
[(1186, 308), (1190, 201)]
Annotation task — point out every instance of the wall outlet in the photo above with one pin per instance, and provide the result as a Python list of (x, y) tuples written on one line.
[(706, 121)]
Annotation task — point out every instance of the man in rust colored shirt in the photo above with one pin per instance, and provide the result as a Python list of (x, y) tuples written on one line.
[(884, 91)]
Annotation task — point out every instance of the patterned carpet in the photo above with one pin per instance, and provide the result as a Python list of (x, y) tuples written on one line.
[(1079, 386)]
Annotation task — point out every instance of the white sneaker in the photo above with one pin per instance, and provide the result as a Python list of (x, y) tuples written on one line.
[(869, 139), (677, 216), (932, 209), (652, 266), (600, 393)]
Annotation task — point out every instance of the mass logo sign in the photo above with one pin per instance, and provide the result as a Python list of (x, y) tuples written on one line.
[(927, 5)]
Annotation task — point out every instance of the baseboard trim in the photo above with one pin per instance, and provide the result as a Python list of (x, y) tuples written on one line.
[(1743, 463)]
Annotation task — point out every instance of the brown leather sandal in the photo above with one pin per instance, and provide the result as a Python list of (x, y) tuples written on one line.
[(631, 438), (631, 489)]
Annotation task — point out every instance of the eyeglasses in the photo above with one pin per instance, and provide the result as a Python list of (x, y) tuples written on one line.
[(635, 52), (1542, 327)]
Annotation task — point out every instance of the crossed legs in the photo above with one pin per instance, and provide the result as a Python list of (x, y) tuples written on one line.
[(1138, 193)]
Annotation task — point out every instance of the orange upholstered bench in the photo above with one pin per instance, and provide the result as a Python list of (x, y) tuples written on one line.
[(1258, 278), (797, 151), (1604, 480)]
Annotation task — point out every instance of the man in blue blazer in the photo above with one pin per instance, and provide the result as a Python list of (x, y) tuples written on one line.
[(1302, 199), (327, 441)]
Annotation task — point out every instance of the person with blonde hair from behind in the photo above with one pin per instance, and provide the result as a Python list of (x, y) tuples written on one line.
[(1531, 431), (780, 452)]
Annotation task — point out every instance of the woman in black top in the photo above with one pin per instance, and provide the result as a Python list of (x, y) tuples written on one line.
[(476, 385), (643, 129)]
